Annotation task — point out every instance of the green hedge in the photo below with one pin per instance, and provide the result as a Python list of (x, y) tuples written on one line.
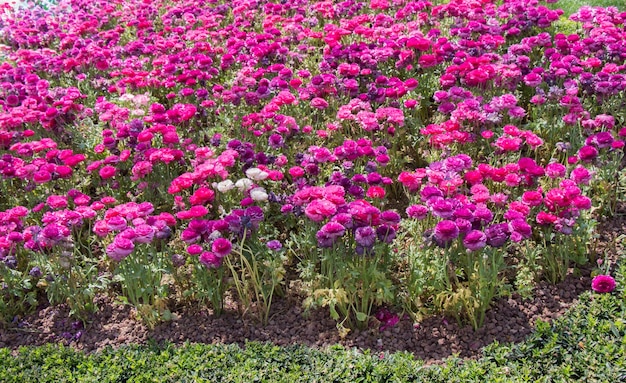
[(588, 344)]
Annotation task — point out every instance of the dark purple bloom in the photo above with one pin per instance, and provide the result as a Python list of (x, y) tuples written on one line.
[(365, 236), (385, 233), (390, 217), (35, 272), (497, 234), (178, 260)]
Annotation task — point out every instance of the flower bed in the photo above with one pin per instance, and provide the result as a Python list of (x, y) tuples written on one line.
[(404, 156)]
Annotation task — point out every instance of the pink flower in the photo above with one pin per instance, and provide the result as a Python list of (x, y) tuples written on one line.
[(107, 172), (587, 153), (144, 233), (375, 192), (194, 249), (320, 209), (544, 218), (581, 175), (116, 223), (319, 103), (57, 202), (120, 248), (555, 170), (532, 198), (195, 212), (603, 284), (42, 176)]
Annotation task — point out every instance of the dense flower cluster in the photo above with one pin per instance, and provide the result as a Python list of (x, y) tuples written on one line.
[(199, 128)]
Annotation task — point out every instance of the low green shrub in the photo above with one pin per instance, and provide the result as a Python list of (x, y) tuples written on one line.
[(587, 344)]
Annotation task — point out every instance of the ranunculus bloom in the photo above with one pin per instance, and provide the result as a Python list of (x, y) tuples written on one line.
[(320, 209), (375, 192), (603, 284), (210, 260), (497, 234), (365, 236), (144, 233), (446, 231), (120, 248), (417, 211), (475, 240), (107, 172), (221, 247)]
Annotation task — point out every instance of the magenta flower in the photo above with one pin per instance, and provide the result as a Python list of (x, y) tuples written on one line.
[(116, 223), (603, 284), (221, 247), (475, 240), (417, 211), (210, 260), (446, 231)]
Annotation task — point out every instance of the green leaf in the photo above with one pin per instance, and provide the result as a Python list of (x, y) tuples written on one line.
[(361, 317)]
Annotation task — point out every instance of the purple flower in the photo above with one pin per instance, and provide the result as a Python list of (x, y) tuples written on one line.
[(446, 231), (365, 236), (497, 234), (387, 319), (35, 272), (483, 215), (390, 217), (386, 233), (430, 192), (603, 284), (178, 260), (475, 240), (274, 245)]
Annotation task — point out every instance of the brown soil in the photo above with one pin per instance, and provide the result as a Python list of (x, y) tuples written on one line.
[(510, 320)]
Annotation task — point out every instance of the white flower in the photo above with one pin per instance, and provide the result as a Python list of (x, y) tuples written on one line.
[(214, 235), (244, 184), (258, 194), (225, 186), (256, 174)]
